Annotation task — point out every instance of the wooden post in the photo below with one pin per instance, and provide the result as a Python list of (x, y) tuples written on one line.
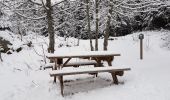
[(141, 37), (141, 49)]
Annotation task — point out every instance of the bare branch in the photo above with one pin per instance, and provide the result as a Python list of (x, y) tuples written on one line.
[(44, 5), (30, 17), (35, 3), (15, 11)]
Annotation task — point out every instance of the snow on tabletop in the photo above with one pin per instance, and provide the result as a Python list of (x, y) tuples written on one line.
[(81, 53)]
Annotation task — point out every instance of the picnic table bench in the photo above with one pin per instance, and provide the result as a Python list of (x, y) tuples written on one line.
[(114, 72), (70, 64)]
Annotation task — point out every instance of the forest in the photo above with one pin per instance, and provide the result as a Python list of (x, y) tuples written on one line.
[(83, 19)]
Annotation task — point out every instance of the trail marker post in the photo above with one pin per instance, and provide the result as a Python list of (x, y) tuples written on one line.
[(141, 37)]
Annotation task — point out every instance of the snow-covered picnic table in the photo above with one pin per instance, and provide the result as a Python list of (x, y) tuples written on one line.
[(96, 56)]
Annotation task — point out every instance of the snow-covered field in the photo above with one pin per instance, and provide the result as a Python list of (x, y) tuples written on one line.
[(22, 79)]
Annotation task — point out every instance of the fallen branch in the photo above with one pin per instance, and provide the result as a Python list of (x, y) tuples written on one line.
[(37, 52)]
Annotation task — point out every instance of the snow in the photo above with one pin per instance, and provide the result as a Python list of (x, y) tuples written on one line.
[(53, 1), (22, 79), (81, 53), (12, 38), (49, 64), (65, 71)]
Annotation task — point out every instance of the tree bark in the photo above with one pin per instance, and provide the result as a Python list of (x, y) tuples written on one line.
[(50, 24), (19, 31), (106, 34), (89, 30), (0, 56), (97, 24)]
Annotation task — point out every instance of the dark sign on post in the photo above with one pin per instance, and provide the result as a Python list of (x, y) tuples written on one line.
[(141, 37)]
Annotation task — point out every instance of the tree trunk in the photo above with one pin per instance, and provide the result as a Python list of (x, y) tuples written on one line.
[(50, 24), (97, 24), (89, 30), (106, 34), (0, 56)]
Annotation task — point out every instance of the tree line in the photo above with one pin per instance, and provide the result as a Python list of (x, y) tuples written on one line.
[(86, 19)]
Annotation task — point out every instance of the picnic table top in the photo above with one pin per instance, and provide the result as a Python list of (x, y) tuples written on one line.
[(73, 54)]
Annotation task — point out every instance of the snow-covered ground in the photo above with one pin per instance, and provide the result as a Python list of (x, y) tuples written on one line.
[(22, 79)]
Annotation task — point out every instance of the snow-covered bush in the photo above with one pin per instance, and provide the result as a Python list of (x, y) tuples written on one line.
[(4, 45)]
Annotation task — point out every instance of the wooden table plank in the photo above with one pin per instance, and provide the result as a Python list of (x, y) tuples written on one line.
[(82, 54)]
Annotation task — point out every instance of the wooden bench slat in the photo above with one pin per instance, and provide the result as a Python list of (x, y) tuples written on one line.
[(49, 65), (86, 70), (81, 63)]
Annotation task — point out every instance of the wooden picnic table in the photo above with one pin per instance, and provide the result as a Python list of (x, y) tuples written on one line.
[(98, 56)]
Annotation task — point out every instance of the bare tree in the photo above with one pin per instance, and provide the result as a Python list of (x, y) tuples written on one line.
[(48, 8), (50, 23), (97, 24), (89, 30), (106, 34)]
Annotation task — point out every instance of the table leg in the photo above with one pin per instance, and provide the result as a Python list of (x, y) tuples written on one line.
[(120, 73), (98, 60), (109, 60), (58, 63), (55, 68), (109, 63), (61, 85), (115, 80)]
